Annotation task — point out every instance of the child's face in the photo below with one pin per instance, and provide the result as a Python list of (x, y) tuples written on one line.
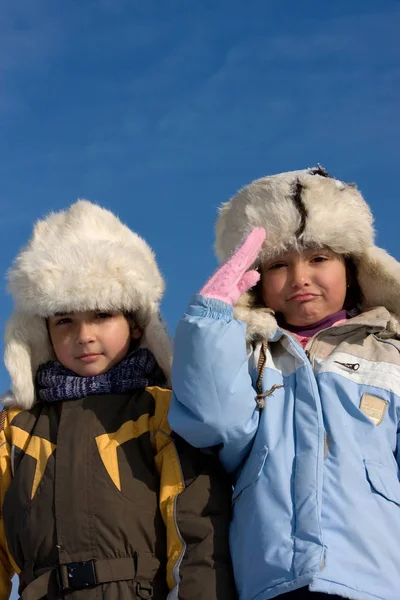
[(90, 343), (305, 287)]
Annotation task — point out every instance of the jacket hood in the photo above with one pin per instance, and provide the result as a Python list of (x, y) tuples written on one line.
[(80, 259), (301, 209)]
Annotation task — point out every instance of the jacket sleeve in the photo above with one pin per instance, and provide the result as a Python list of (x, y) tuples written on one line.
[(6, 568), (213, 401)]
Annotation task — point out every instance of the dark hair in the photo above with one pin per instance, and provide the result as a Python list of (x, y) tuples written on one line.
[(354, 294)]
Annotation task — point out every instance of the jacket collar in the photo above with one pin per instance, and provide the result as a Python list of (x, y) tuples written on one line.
[(261, 322)]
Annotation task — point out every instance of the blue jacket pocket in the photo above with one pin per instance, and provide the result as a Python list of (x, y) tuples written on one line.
[(251, 471), (383, 480)]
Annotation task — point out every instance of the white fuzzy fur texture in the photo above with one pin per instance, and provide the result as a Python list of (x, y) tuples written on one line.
[(337, 217), (80, 259), (84, 259)]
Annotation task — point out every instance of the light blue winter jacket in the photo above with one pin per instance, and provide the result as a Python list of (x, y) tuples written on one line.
[(317, 494)]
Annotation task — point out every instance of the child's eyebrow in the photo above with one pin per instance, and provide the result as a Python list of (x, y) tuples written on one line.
[(61, 314)]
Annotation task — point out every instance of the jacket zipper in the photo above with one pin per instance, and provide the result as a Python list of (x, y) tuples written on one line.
[(351, 366), (311, 351)]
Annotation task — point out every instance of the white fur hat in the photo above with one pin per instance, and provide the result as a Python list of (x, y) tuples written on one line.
[(307, 208), (80, 259)]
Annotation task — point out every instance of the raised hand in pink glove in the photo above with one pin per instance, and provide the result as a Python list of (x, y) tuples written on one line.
[(233, 279)]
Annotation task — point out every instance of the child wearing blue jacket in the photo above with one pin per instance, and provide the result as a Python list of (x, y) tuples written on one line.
[(288, 361)]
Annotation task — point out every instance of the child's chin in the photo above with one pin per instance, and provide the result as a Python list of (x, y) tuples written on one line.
[(92, 370)]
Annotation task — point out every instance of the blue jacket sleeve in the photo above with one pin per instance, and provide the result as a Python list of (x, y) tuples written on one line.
[(213, 401)]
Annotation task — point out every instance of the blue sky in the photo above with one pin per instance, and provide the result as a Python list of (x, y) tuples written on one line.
[(161, 110)]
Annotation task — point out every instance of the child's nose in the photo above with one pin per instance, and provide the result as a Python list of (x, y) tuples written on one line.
[(299, 275), (85, 333)]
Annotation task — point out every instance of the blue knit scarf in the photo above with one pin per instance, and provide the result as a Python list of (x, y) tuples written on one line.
[(137, 370)]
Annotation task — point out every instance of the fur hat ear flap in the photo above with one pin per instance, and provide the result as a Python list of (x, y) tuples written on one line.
[(260, 320), (27, 345), (378, 275), (8, 400), (157, 340), (81, 259)]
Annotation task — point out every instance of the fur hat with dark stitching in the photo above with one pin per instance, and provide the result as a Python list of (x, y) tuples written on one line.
[(79, 259), (301, 209)]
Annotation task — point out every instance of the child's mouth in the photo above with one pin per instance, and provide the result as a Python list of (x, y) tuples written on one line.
[(304, 297), (88, 358)]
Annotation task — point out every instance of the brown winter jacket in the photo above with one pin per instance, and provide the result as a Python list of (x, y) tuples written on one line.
[(100, 500)]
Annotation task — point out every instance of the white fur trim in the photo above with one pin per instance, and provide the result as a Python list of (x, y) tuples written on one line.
[(27, 346), (8, 400), (260, 322), (268, 203), (80, 259), (157, 340), (378, 275), (337, 217)]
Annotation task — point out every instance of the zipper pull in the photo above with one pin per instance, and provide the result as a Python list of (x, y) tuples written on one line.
[(351, 366)]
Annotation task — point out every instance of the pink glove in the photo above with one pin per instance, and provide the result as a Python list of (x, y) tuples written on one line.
[(233, 279)]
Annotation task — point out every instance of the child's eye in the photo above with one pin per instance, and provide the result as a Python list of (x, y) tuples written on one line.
[(276, 266), (103, 315), (63, 321), (319, 259)]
